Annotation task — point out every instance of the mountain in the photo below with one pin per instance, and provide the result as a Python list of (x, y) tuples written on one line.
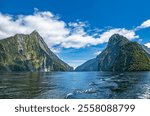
[(90, 65), (119, 55), (132, 57), (28, 53)]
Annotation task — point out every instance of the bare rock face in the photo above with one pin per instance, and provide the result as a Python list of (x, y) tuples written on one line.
[(28, 53)]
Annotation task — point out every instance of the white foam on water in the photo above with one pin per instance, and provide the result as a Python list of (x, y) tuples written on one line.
[(68, 95)]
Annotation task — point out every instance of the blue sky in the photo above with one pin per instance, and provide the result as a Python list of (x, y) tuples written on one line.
[(77, 30)]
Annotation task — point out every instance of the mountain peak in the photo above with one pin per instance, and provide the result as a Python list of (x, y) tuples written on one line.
[(28, 52), (120, 55), (117, 39), (115, 35), (34, 33)]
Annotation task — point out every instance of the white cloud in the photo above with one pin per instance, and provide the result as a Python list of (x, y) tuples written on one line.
[(145, 24), (147, 44), (55, 31), (79, 40), (51, 29), (9, 27), (130, 34)]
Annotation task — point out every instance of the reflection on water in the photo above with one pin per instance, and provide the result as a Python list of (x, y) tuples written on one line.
[(75, 85)]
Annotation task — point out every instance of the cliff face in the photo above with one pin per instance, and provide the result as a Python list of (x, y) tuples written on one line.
[(28, 53), (119, 55)]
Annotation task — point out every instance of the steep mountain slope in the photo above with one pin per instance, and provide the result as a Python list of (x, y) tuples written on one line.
[(28, 53), (119, 55), (109, 55), (132, 57)]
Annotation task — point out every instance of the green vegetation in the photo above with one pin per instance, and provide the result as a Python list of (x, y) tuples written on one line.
[(132, 57), (28, 53), (120, 55)]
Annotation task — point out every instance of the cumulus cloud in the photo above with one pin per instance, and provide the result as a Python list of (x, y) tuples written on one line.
[(145, 24), (57, 32), (130, 34), (79, 40), (50, 28), (147, 44)]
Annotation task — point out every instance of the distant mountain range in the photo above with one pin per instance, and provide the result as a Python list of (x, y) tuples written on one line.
[(119, 55), (28, 53)]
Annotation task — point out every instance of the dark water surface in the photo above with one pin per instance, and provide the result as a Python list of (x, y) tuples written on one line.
[(75, 85)]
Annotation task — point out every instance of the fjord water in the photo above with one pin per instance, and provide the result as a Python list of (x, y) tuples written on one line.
[(75, 85)]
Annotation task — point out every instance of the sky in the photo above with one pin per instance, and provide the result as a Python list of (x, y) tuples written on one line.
[(77, 30)]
